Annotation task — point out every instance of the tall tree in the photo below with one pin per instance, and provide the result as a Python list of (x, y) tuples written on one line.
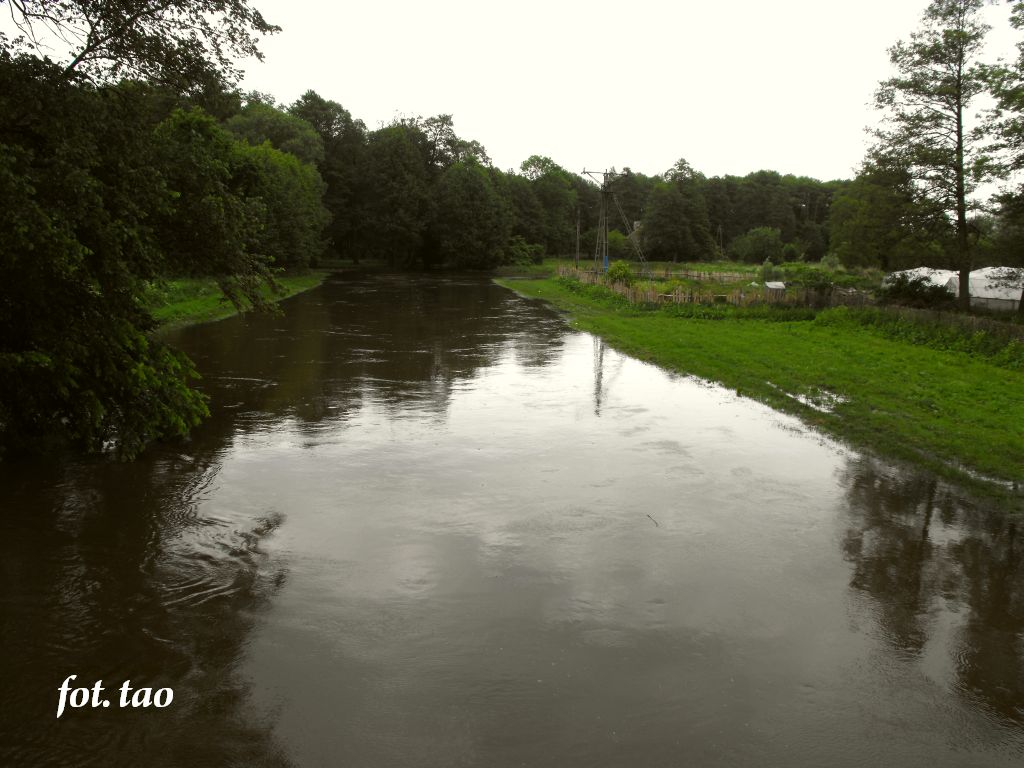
[(675, 225), (875, 221), (394, 189), (344, 141), (473, 220), (926, 105)]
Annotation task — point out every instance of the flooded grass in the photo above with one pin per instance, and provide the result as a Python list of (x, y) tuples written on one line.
[(959, 414), (188, 300)]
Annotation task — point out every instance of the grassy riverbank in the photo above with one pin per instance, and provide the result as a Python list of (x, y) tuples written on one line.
[(960, 413), (185, 301)]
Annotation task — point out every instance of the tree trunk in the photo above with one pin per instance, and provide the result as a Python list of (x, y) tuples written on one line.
[(963, 255)]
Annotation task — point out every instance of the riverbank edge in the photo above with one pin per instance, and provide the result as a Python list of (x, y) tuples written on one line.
[(208, 305), (895, 440)]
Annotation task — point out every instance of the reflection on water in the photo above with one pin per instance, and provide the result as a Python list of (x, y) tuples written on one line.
[(942, 578), (429, 525), (115, 575)]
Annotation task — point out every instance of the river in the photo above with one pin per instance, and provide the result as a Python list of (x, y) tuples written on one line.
[(429, 524)]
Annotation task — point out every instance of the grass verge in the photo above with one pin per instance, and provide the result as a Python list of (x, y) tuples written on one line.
[(957, 413), (190, 300)]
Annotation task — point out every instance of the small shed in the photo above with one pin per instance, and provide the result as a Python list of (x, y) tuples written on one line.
[(774, 290)]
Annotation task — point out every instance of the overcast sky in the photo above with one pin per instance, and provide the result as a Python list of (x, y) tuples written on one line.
[(733, 87)]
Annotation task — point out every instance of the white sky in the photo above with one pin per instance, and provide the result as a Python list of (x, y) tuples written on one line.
[(733, 87)]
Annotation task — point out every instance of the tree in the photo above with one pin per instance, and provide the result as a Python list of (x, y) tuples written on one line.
[(528, 215), (291, 230), (473, 221), (332, 121), (81, 186), (394, 190), (259, 122), (169, 41), (344, 142), (757, 246), (876, 221), (676, 226), (926, 104), (536, 166), (555, 190)]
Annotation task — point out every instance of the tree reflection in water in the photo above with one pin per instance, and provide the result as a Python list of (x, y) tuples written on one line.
[(110, 574), (919, 551), (137, 571)]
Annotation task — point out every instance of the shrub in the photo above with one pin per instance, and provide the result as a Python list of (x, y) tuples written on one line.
[(916, 292), (620, 272), (521, 253), (830, 261)]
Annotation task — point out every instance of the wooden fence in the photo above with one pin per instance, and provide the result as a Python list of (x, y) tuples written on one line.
[(741, 296)]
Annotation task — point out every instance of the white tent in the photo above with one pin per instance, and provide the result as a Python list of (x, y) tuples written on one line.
[(940, 277), (996, 288)]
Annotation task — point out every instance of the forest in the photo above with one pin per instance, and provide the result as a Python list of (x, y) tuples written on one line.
[(138, 158)]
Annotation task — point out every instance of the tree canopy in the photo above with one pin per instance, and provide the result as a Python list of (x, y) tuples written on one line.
[(926, 107), (167, 41)]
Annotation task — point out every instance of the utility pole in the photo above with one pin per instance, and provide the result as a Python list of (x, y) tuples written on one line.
[(601, 248), (577, 262)]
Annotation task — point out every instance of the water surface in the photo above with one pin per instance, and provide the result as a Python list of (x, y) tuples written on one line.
[(430, 525)]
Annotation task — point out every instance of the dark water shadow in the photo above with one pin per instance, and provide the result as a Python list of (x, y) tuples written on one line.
[(115, 571), (109, 573), (937, 567)]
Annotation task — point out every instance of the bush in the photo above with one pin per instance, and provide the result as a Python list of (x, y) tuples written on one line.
[(521, 253), (757, 245), (831, 262), (945, 332), (916, 292), (620, 272)]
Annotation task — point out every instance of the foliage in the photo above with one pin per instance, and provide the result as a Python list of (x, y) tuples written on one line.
[(344, 143), (106, 189), (878, 220), (620, 273), (473, 221), (290, 232), (676, 225), (258, 123), (1003, 349), (916, 292), (74, 357), (521, 253), (619, 247), (183, 301), (758, 245), (394, 189), (939, 77), (183, 42)]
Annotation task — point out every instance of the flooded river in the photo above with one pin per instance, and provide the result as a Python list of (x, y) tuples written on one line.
[(430, 525)]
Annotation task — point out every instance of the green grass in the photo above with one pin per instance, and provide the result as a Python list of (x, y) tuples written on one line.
[(189, 300), (960, 413)]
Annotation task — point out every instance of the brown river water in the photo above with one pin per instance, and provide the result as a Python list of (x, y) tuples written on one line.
[(429, 524)]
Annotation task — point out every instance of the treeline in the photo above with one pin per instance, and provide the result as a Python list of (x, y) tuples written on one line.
[(136, 159)]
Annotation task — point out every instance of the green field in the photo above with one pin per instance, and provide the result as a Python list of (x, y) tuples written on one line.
[(188, 300), (960, 413)]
